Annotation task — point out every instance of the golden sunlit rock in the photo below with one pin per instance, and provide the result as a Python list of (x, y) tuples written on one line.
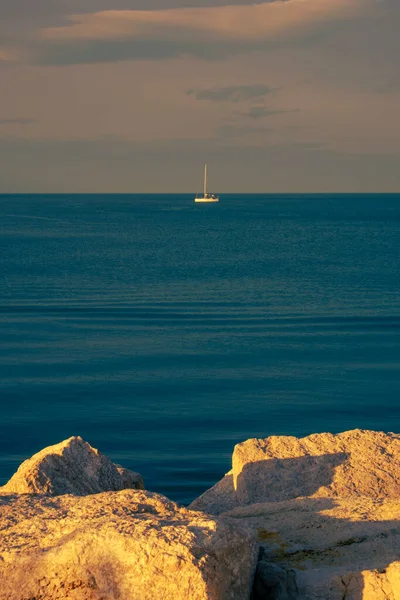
[(127, 545), (71, 467), (325, 510)]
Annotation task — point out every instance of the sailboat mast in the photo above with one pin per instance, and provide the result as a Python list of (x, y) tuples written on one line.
[(206, 197)]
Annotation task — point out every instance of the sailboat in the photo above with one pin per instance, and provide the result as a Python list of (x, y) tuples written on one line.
[(206, 197)]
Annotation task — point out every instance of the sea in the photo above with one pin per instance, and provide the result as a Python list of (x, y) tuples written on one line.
[(165, 332)]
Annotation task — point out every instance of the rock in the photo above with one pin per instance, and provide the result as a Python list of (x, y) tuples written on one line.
[(130, 479), (221, 497), (336, 548), (131, 545), (326, 510), (271, 582), (351, 464), (71, 467)]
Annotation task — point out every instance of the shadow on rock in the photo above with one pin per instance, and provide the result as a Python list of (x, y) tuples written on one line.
[(280, 479)]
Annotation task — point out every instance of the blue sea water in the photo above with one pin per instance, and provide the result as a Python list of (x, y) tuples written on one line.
[(164, 332)]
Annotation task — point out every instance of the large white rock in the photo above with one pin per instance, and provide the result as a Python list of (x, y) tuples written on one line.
[(326, 510), (331, 548), (127, 545), (71, 467), (351, 464)]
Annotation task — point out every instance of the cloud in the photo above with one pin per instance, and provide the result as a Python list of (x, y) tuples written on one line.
[(16, 121), (259, 112), (208, 32), (237, 93), (238, 131)]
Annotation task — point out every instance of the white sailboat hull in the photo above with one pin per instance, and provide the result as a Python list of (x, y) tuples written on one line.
[(206, 199)]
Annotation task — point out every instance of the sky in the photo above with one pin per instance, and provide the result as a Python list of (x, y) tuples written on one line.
[(135, 96)]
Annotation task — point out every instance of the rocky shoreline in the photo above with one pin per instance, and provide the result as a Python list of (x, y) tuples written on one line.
[(315, 518)]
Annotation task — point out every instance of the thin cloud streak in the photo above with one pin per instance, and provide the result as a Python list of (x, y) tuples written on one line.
[(236, 93), (237, 131), (17, 121), (260, 112)]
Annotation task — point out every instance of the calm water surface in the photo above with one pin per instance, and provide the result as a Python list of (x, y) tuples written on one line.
[(164, 332)]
